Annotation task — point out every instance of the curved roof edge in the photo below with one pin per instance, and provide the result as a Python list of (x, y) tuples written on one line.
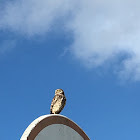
[(43, 121)]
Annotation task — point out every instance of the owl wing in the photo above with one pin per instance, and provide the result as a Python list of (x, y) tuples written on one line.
[(63, 103), (55, 98)]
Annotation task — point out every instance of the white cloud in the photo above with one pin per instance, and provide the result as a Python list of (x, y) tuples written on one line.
[(105, 29), (102, 29), (33, 17)]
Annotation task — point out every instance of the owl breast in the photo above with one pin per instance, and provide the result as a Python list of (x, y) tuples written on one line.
[(58, 104)]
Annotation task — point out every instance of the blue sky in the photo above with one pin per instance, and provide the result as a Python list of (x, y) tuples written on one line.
[(89, 49)]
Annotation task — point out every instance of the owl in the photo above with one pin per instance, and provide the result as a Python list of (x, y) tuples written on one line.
[(58, 102)]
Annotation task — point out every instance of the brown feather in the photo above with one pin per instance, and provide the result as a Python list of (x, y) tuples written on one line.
[(57, 104)]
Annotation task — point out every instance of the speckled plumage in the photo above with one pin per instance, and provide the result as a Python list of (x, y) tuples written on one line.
[(58, 102)]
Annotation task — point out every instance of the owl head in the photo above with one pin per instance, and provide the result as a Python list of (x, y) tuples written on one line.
[(59, 91)]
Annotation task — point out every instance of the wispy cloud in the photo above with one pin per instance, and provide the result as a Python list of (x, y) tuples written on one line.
[(101, 29), (7, 45), (33, 17)]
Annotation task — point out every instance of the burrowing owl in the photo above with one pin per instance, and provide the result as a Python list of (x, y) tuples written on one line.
[(58, 102)]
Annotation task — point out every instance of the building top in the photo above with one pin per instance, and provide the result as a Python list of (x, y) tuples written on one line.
[(52, 127)]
